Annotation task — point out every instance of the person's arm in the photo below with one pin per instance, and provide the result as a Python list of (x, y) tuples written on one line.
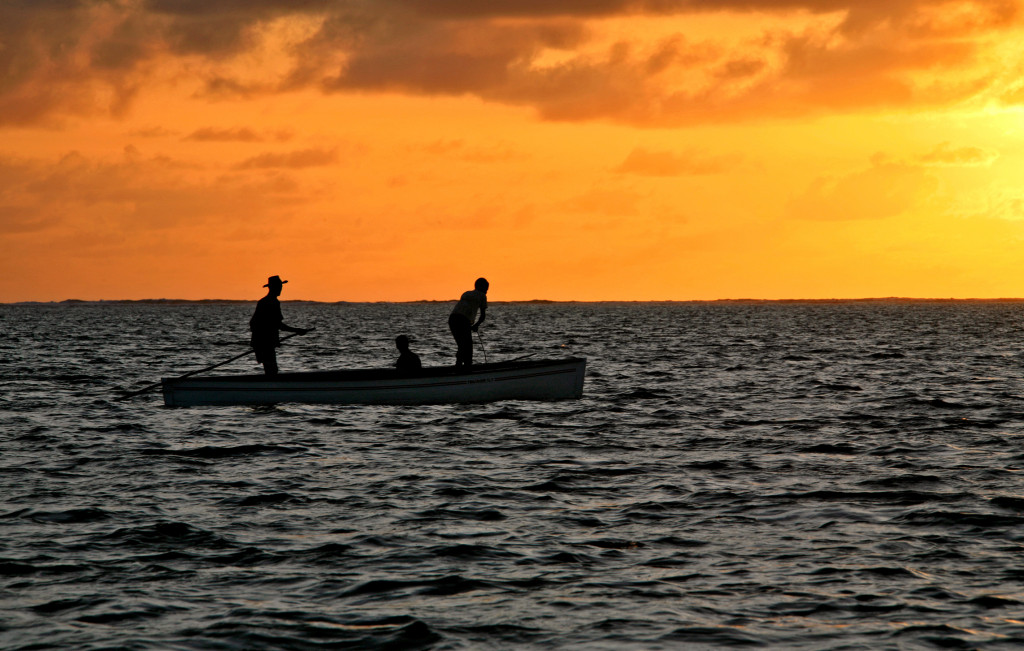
[(281, 325), (483, 315)]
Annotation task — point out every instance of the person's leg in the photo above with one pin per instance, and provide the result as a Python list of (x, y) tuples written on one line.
[(467, 347), (453, 325), (463, 334), (268, 356)]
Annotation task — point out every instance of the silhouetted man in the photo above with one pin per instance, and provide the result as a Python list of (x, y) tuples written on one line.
[(407, 360), (265, 324), (460, 322)]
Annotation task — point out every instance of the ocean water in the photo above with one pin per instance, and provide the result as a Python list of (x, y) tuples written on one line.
[(775, 475)]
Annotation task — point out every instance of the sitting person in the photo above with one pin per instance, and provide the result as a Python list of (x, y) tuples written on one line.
[(407, 360)]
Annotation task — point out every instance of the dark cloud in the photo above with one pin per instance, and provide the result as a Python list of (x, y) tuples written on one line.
[(292, 159), (237, 7), (221, 28), (437, 57), (69, 57), (84, 56), (209, 134), (603, 8), (237, 134), (33, 56), (24, 219), (871, 60), (153, 132), (858, 14)]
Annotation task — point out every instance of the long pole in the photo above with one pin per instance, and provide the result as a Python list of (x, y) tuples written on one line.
[(516, 359), (481, 340), (202, 370)]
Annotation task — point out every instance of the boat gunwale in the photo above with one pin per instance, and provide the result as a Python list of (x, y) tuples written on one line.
[(477, 372)]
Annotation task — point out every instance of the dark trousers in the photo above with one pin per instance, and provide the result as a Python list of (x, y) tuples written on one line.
[(462, 330), (267, 355)]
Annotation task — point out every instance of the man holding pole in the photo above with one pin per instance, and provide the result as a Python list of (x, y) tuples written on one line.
[(265, 324), (460, 321)]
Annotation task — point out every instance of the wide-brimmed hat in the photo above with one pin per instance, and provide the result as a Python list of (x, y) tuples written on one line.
[(275, 280)]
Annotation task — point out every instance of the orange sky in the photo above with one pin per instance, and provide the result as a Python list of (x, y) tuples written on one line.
[(566, 149)]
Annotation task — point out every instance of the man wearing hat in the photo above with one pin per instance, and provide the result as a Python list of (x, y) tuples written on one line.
[(265, 324)]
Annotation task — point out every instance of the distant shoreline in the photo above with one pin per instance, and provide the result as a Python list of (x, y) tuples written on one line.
[(736, 301)]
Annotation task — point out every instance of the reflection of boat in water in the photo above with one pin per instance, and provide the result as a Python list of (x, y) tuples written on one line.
[(552, 379)]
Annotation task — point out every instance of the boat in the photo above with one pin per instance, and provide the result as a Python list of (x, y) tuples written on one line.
[(550, 379)]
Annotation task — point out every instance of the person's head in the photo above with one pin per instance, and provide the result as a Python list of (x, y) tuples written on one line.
[(275, 285), (482, 285), (402, 342)]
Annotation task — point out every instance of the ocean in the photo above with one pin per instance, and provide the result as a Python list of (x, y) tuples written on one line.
[(806, 475)]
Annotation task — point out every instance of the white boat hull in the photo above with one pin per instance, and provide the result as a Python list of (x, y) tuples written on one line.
[(527, 380)]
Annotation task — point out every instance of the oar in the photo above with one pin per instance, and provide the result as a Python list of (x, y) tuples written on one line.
[(202, 370)]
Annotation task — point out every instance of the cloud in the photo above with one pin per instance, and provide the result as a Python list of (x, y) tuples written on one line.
[(78, 57), (666, 163), (612, 202), (946, 155), (292, 159), (153, 132), (75, 195), (239, 8), (23, 219), (466, 9), (210, 134), (886, 189), (238, 134), (896, 57)]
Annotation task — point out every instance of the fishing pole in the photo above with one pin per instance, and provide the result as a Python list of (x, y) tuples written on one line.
[(481, 340)]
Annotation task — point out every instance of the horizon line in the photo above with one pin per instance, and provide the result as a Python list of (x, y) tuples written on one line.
[(879, 299)]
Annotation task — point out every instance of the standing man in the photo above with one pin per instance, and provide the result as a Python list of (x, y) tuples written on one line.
[(461, 320), (265, 324)]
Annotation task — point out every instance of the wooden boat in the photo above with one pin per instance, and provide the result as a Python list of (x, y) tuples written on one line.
[(552, 379)]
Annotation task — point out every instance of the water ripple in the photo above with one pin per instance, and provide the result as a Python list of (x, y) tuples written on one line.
[(798, 476)]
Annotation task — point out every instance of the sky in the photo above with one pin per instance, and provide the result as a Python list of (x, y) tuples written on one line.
[(393, 150)]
